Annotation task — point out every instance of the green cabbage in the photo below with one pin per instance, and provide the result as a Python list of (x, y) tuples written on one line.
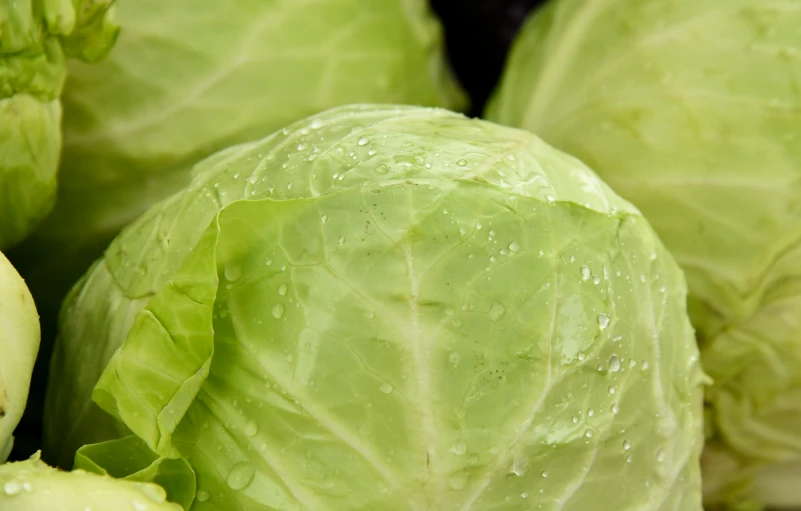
[(19, 343), (36, 36), (389, 308), (691, 110), (190, 77), (33, 486)]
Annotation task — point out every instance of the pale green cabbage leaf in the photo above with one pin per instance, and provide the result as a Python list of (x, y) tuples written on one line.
[(390, 308)]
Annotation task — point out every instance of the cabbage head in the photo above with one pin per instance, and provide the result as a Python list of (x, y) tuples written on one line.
[(691, 110), (36, 37), (33, 486), (19, 343), (389, 308), (190, 77)]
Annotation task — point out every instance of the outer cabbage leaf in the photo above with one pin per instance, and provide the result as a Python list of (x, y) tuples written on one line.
[(690, 109), (33, 486), (190, 77), (129, 458), (35, 38), (19, 343), (391, 308)]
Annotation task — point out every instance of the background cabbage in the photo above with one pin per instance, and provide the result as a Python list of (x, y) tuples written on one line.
[(190, 77), (388, 308), (33, 486), (19, 343), (691, 110), (36, 37)]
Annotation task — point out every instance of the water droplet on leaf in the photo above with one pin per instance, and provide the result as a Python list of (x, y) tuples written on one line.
[(240, 476), (251, 428), (11, 488), (520, 466), (453, 358), (232, 272), (497, 311), (458, 481)]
